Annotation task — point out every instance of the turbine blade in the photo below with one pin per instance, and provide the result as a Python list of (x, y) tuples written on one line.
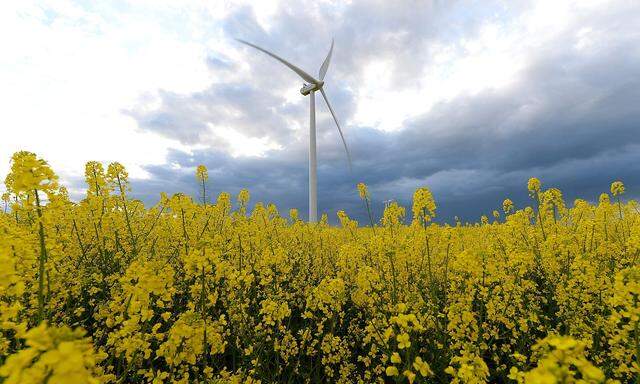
[(325, 64), (305, 76), (344, 142)]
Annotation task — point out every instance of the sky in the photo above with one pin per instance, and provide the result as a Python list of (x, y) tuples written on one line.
[(468, 98)]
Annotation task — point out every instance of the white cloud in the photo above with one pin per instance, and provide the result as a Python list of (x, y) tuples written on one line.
[(243, 145), (492, 59), (67, 72)]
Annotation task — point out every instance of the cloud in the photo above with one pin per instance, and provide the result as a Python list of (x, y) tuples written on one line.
[(470, 100)]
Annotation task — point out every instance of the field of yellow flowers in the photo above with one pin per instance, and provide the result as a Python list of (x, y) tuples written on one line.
[(108, 290)]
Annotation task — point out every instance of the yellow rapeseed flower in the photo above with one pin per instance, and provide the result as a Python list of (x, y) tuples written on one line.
[(391, 371), (403, 341), (363, 191), (28, 173), (243, 197), (533, 185), (202, 174), (507, 206), (409, 375), (422, 367), (617, 188), (424, 206)]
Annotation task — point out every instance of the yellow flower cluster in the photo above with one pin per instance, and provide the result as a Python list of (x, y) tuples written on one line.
[(54, 355), (363, 192), (107, 290), (202, 174), (424, 206), (560, 359), (28, 173)]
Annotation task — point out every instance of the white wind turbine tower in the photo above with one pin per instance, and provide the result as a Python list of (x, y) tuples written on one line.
[(310, 86)]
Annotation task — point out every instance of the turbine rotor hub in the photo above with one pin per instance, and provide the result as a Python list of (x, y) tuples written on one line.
[(308, 88)]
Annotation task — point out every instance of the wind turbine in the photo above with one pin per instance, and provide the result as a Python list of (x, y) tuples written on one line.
[(309, 88)]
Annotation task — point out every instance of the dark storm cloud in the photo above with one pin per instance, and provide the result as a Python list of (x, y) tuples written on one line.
[(571, 117)]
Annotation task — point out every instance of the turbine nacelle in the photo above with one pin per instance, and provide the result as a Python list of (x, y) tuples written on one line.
[(311, 87)]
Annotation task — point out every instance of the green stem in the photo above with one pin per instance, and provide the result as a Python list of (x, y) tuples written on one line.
[(366, 200), (544, 236), (41, 261), (204, 193), (184, 232), (126, 215)]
